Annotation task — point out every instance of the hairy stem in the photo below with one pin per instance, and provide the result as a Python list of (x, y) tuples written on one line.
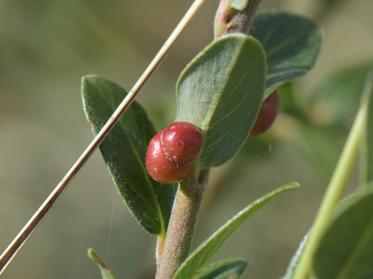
[(189, 195), (229, 20), (182, 222), (334, 192)]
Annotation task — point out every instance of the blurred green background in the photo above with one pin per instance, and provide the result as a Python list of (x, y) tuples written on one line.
[(47, 45)]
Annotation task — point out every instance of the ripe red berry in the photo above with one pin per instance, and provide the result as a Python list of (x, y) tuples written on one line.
[(267, 114), (171, 152)]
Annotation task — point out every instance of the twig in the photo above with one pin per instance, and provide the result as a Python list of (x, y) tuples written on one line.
[(189, 195), (229, 20), (26, 231), (182, 222)]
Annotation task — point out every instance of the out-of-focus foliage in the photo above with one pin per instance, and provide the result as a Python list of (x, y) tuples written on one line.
[(344, 252), (336, 99), (368, 142)]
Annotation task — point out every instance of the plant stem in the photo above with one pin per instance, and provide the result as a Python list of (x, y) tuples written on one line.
[(334, 192), (189, 195), (182, 222), (229, 20)]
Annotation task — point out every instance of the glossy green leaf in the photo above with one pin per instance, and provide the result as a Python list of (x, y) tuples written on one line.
[(105, 271), (239, 4), (221, 91), (124, 153), (207, 250), (226, 269), (292, 44), (346, 248), (295, 259)]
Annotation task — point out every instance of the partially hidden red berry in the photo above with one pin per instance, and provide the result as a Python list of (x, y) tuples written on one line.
[(267, 114), (171, 152)]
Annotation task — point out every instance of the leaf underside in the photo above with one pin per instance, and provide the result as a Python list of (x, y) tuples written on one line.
[(124, 152), (346, 248)]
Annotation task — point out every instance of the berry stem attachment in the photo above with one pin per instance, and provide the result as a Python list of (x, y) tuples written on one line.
[(334, 192), (182, 222)]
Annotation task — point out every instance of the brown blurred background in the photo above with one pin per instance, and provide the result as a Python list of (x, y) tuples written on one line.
[(47, 45)]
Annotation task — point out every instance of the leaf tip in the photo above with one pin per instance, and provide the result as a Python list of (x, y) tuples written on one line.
[(92, 255), (289, 186), (104, 269), (292, 185), (87, 80)]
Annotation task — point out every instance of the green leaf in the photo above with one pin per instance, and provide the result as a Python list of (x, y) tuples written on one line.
[(207, 250), (368, 148), (124, 153), (296, 258), (292, 44), (221, 91), (346, 247), (226, 269), (239, 4), (105, 271)]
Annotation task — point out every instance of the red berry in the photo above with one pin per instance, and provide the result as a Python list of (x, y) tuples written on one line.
[(181, 141), (171, 152), (267, 114)]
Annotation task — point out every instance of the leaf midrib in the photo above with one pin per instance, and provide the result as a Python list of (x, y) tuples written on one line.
[(138, 158), (209, 115), (150, 184)]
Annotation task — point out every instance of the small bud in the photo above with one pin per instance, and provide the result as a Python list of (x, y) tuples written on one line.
[(171, 152), (222, 18), (267, 114)]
